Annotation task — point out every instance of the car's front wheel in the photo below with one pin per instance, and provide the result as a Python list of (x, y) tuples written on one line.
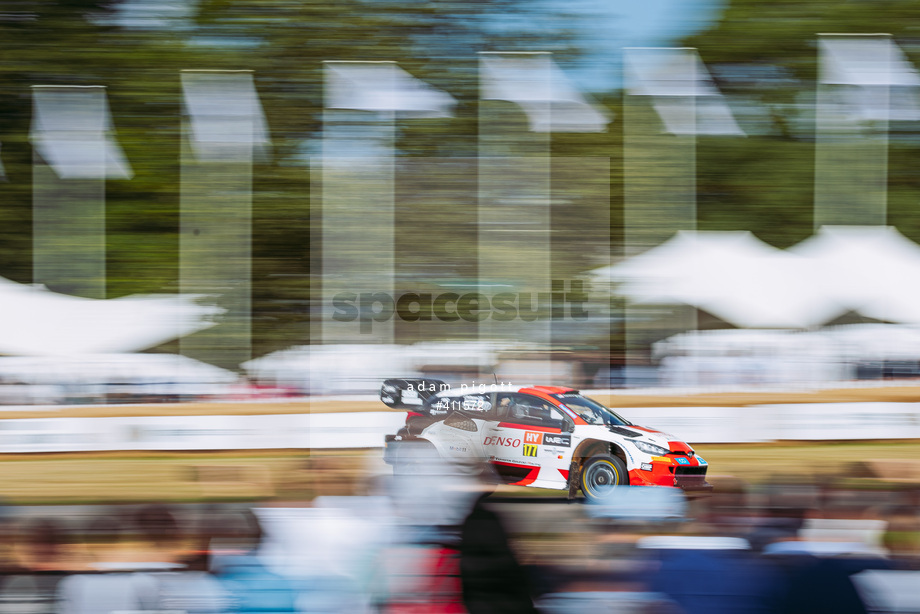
[(601, 475)]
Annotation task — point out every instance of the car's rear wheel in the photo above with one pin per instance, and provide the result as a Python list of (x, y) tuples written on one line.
[(601, 475)]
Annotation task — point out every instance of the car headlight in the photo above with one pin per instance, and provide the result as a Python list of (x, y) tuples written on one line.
[(650, 448)]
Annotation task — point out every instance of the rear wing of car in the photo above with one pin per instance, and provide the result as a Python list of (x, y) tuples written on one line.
[(410, 394)]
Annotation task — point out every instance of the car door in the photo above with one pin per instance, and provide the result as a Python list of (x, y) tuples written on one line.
[(525, 435), (458, 437)]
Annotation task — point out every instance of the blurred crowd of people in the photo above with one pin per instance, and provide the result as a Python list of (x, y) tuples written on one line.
[(137, 561), (438, 542), (146, 560)]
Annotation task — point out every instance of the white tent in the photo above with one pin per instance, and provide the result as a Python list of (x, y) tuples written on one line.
[(112, 369), (869, 269), (849, 342), (750, 358), (223, 109), (736, 342), (681, 90), (38, 322), (383, 87), (535, 83), (756, 357), (872, 342), (331, 369), (879, 82), (73, 133), (736, 277), (732, 275), (28, 380), (339, 369)]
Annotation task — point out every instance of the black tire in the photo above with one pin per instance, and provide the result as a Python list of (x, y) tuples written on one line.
[(601, 475)]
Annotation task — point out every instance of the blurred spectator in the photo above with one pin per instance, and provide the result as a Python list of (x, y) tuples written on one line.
[(160, 538), (902, 537), (194, 592), (492, 579), (453, 554), (119, 588), (197, 554), (421, 569), (815, 574), (712, 575), (317, 549), (252, 587), (776, 525), (816, 585), (8, 532), (422, 579), (152, 581), (41, 543)]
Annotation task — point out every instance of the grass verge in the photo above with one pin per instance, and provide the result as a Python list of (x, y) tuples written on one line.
[(298, 475)]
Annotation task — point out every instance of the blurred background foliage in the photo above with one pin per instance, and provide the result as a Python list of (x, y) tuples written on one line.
[(763, 56)]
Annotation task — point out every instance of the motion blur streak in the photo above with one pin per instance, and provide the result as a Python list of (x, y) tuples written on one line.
[(441, 541), (704, 212)]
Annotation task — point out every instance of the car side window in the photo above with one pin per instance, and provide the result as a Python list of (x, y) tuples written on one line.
[(503, 406), (526, 409)]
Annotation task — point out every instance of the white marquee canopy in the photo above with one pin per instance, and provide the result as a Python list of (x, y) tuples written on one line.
[(742, 280), (38, 322), (870, 269)]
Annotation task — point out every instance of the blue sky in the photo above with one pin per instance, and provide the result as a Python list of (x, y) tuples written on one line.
[(606, 26)]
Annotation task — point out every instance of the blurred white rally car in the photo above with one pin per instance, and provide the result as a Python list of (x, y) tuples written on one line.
[(539, 436)]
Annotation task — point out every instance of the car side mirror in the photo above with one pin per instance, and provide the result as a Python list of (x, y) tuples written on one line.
[(568, 427)]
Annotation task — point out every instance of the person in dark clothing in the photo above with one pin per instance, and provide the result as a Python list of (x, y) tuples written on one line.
[(492, 579), (716, 581), (817, 585)]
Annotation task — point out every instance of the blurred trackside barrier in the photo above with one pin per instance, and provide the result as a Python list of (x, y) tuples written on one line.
[(365, 430)]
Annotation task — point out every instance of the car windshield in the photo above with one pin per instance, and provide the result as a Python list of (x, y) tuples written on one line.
[(591, 411)]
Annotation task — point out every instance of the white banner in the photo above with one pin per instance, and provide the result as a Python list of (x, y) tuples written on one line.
[(794, 422), (343, 430), (354, 430)]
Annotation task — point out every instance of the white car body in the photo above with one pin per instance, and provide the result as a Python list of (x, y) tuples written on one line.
[(542, 436)]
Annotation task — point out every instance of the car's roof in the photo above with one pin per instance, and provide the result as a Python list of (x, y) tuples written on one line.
[(551, 389), (501, 387)]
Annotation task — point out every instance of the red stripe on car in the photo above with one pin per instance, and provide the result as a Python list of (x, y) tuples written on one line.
[(679, 446), (527, 427)]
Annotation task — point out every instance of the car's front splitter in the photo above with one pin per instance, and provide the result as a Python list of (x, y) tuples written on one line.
[(673, 471)]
